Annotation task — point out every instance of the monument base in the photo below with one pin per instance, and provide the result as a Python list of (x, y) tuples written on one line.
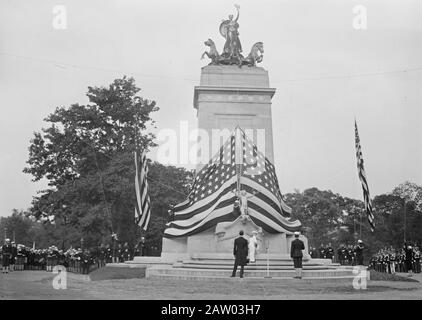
[(220, 240), (209, 255)]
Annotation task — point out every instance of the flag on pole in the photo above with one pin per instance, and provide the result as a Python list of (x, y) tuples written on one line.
[(238, 165), (362, 177), (142, 210)]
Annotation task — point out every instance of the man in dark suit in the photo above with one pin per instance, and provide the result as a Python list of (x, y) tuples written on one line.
[(7, 255), (296, 253), (240, 252), (359, 253)]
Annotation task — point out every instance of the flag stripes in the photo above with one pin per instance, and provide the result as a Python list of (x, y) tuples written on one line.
[(214, 192), (142, 210), (362, 177), (211, 198)]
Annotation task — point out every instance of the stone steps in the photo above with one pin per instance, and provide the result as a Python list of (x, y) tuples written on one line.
[(249, 266), (257, 262), (219, 266), (262, 258), (157, 271), (248, 279)]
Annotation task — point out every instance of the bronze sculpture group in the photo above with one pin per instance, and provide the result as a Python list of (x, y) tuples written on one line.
[(232, 52)]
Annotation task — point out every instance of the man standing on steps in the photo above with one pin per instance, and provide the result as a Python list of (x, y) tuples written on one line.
[(359, 253), (240, 252), (296, 253)]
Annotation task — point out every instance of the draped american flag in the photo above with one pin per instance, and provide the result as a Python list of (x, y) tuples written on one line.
[(142, 210), (214, 191), (266, 205), (362, 177)]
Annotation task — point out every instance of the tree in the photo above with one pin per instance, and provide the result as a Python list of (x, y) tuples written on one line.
[(325, 216), (17, 227), (169, 186), (81, 148), (329, 217), (411, 192)]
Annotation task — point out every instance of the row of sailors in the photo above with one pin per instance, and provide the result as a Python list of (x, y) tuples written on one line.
[(389, 260), (323, 252), (75, 260), (346, 254), (20, 257)]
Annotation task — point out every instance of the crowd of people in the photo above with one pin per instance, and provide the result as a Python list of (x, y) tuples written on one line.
[(323, 252), (17, 257), (392, 260), (346, 254)]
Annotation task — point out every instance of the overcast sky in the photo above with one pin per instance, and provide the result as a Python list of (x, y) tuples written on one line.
[(325, 72)]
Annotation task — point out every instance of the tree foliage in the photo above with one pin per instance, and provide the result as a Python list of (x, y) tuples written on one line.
[(329, 217), (86, 155)]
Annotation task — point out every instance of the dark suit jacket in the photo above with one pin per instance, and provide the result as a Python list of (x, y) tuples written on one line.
[(359, 251), (240, 250), (296, 248)]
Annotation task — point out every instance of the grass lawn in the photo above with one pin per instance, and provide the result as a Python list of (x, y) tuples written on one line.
[(382, 276)]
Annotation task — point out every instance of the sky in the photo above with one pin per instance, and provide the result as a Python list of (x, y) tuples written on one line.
[(325, 71)]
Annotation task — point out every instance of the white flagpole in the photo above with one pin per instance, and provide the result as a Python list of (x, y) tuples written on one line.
[(238, 157), (268, 260)]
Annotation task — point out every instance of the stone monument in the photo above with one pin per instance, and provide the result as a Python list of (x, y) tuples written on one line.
[(238, 188), (234, 95)]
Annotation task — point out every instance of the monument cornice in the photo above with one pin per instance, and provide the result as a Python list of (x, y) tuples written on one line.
[(230, 90)]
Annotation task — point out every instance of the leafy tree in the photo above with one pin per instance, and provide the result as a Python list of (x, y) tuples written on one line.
[(16, 227), (81, 153), (329, 217), (325, 216), (410, 192)]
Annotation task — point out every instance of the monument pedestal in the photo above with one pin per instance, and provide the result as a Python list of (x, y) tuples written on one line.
[(229, 96), (214, 244)]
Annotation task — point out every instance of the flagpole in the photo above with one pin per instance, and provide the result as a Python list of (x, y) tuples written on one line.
[(362, 178), (404, 222), (268, 260), (136, 173), (238, 157)]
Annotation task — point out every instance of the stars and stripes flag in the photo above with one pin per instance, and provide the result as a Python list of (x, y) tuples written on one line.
[(266, 205), (362, 177), (142, 210), (214, 192)]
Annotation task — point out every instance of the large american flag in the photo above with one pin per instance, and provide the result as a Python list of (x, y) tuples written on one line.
[(362, 177), (267, 207), (214, 192), (142, 210)]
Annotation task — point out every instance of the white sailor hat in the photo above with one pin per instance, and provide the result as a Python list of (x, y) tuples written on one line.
[(297, 233), (359, 241)]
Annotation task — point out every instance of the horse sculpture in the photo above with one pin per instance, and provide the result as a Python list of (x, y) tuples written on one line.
[(213, 53), (256, 55)]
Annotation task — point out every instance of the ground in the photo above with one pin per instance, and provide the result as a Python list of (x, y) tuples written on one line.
[(39, 285)]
